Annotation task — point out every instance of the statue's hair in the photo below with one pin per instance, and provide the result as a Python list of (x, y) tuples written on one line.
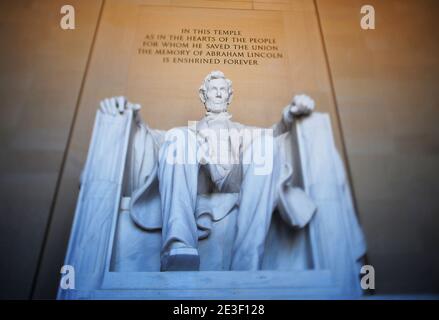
[(211, 76)]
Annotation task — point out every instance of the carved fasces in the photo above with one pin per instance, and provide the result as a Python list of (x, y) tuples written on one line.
[(98, 201)]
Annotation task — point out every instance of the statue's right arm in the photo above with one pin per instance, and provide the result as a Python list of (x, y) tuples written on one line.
[(141, 138), (118, 105)]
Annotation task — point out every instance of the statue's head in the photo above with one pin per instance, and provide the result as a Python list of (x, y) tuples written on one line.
[(216, 92)]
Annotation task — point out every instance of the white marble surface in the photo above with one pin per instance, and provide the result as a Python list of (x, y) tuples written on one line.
[(115, 243)]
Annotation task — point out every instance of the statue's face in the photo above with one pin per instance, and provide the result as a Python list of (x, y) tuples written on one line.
[(217, 95)]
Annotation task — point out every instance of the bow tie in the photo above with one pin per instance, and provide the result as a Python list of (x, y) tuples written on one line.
[(211, 116)]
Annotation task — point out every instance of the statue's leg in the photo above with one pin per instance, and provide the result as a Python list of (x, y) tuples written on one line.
[(257, 200), (178, 177)]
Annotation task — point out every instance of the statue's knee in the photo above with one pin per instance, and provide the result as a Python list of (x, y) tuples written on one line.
[(175, 138)]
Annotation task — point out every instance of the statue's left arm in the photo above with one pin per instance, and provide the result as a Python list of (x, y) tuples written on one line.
[(301, 105)]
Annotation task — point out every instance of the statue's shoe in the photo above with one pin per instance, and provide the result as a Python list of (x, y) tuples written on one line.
[(181, 259)]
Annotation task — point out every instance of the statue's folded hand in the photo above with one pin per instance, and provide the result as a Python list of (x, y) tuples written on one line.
[(117, 105)]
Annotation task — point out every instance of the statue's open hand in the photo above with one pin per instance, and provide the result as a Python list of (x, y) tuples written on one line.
[(301, 105), (117, 105)]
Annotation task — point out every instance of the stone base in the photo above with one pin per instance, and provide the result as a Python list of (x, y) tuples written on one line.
[(213, 285)]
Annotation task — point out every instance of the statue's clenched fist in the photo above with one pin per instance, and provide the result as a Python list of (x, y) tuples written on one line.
[(302, 105), (117, 105)]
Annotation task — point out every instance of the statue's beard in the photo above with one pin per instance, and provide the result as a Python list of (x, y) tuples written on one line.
[(216, 107)]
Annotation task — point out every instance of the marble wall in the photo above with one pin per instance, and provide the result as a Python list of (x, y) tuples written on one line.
[(379, 89), (386, 83), (41, 72)]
